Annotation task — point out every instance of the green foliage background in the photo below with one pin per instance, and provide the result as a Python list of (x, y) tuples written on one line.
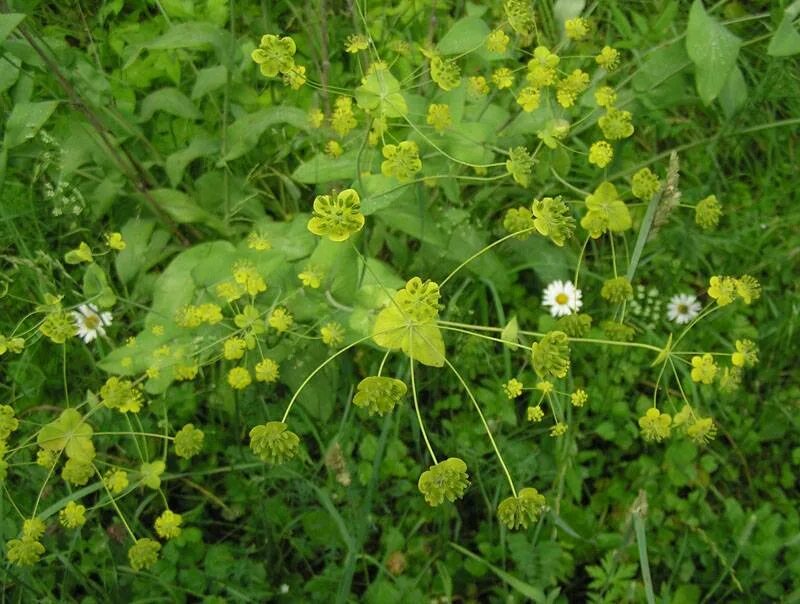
[(164, 130)]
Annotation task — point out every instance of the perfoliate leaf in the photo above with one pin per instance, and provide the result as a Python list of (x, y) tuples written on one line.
[(422, 341)]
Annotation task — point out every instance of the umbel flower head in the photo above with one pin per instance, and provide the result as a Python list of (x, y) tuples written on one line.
[(447, 479), (419, 299), (576, 325), (188, 441), (520, 221), (24, 552), (654, 425), (553, 219), (606, 212), (707, 212), (617, 290), (520, 165), (520, 511), (337, 218), (378, 394), (401, 161), (143, 554), (273, 442), (550, 355), (274, 55)]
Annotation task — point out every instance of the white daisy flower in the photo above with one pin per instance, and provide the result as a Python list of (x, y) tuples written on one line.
[(682, 308), (91, 323), (562, 298)]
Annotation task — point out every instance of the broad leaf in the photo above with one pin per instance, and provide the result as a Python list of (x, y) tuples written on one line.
[(168, 100), (786, 39), (712, 49), (26, 120), (243, 135), (466, 34), (422, 341)]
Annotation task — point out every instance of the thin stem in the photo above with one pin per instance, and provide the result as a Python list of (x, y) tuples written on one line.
[(319, 368), (483, 251), (416, 404), (485, 425)]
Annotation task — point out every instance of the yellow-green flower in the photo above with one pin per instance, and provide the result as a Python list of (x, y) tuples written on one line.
[(512, 388), (608, 58), (568, 88), (116, 481), (503, 78), (654, 425), (601, 154), (542, 68), (311, 277), (58, 327), (535, 414), (267, 371), (519, 219), (529, 98), (497, 41), (24, 552), (280, 319), (617, 290), (701, 430), (343, 120), (239, 378), (550, 355), (33, 528), (401, 161), (520, 165), (704, 369), (645, 184), (746, 354), (722, 289), (332, 334), (247, 276), (707, 212), (77, 472), (558, 429), (168, 524), (73, 515), (605, 96), (606, 212), (356, 43), (445, 72), (273, 442), (257, 241), (115, 241), (439, 117), (143, 554), (616, 124), (579, 398), (337, 218), (446, 480), (522, 510), (748, 289), (121, 395), (577, 28), (379, 394), (151, 473), (234, 348), (274, 55), (189, 441)]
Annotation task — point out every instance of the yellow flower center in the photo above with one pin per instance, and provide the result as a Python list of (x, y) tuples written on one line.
[(562, 298), (683, 309), (91, 322)]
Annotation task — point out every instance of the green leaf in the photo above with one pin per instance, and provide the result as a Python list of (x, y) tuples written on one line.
[(180, 206), (201, 146), (466, 34), (420, 341), (322, 168), (8, 23), (526, 589), (70, 433), (734, 93), (786, 39), (95, 287), (168, 100), (26, 120), (208, 80), (380, 91), (712, 49), (195, 34), (380, 192), (245, 132), (143, 248)]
